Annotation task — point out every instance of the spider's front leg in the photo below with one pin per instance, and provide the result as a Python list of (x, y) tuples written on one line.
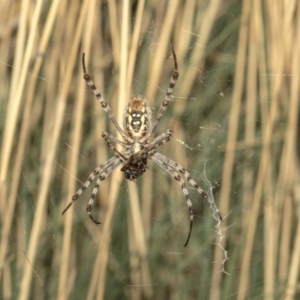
[(99, 97), (169, 95)]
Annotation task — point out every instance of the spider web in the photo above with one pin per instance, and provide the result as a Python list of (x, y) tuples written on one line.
[(200, 119), (171, 216)]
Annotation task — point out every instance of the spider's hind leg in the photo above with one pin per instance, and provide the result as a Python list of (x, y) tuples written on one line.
[(104, 170), (92, 199), (216, 213), (86, 184), (103, 175), (177, 177)]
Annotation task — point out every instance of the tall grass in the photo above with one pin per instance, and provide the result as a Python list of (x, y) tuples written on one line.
[(235, 117)]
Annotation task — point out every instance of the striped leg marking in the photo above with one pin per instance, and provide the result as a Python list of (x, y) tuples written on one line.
[(177, 177), (104, 105), (91, 177), (102, 177), (216, 214), (161, 139), (168, 96)]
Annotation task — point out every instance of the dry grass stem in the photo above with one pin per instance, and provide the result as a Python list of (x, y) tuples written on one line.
[(235, 117)]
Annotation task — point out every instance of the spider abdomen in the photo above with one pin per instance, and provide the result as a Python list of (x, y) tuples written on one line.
[(137, 118)]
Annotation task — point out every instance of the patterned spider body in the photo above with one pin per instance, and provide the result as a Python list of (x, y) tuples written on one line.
[(137, 118), (138, 148), (136, 166), (137, 122)]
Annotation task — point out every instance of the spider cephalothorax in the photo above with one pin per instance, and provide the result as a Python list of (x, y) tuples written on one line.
[(138, 147)]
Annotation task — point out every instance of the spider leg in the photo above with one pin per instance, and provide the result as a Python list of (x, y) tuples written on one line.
[(110, 138), (91, 177), (158, 141), (177, 177), (114, 139), (161, 139), (217, 216), (104, 105), (168, 96), (104, 174)]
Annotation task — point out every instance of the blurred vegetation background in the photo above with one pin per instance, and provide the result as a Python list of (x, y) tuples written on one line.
[(235, 117)]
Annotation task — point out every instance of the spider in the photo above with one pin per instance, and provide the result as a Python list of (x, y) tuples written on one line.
[(138, 147)]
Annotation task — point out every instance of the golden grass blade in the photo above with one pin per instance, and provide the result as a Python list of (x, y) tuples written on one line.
[(276, 66), (205, 28), (135, 42), (161, 50), (232, 134), (115, 36), (185, 31), (104, 241), (235, 110), (16, 96), (292, 279), (24, 135), (116, 177), (286, 177), (286, 238), (73, 161), (48, 167), (251, 104), (137, 237)]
